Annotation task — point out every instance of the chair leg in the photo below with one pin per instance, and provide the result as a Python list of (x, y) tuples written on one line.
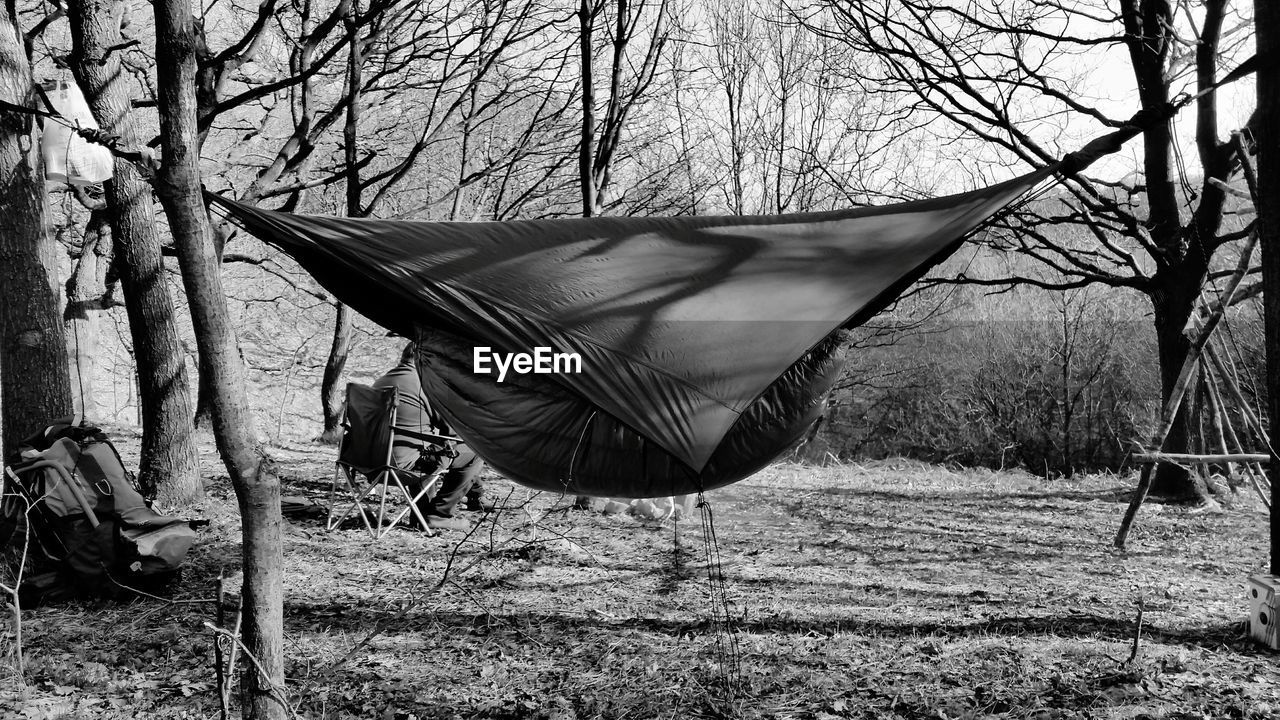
[(357, 499), (331, 522), (413, 501), (379, 527), (333, 492), (374, 528), (383, 528)]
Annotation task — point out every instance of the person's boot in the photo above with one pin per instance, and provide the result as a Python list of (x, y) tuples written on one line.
[(438, 522), (479, 504), (585, 502)]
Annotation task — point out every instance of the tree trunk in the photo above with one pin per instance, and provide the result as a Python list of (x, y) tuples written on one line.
[(86, 293), (34, 383), (203, 416), (1172, 309), (80, 327), (1267, 18), (586, 150), (93, 287), (1147, 24), (204, 394), (169, 464), (256, 484), (332, 394)]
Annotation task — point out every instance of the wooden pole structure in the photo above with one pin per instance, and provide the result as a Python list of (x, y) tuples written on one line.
[(1229, 437), (1254, 423), (1201, 459), (1201, 470), (1254, 470), (1170, 412), (1217, 416)]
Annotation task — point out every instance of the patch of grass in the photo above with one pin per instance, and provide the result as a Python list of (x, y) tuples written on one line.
[(891, 589)]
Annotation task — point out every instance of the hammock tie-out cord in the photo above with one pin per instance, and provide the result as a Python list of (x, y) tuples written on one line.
[(582, 436), (723, 624)]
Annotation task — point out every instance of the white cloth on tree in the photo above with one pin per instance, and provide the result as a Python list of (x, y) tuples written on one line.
[(69, 158)]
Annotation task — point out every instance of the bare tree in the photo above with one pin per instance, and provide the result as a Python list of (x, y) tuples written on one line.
[(34, 384), (331, 397), (737, 53), (89, 292), (393, 41), (817, 137), (765, 111), (1001, 76), (168, 466), (687, 134), (631, 76), (256, 484)]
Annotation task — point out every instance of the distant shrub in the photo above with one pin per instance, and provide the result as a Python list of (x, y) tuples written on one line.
[(1067, 392)]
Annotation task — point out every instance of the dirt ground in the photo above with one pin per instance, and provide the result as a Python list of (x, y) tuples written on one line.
[(881, 590)]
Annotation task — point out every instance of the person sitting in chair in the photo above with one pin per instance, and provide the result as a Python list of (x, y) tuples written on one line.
[(462, 466)]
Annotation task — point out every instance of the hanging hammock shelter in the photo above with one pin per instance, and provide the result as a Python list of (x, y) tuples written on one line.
[(708, 345)]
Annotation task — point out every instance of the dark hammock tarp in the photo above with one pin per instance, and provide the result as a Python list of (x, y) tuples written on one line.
[(708, 344)]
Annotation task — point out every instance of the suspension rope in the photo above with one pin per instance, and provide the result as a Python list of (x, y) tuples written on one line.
[(582, 436), (728, 650)]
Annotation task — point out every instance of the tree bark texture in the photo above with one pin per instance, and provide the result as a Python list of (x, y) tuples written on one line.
[(1172, 308), (332, 397), (1267, 19), (169, 464), (87, 296), (332, 393), (34, 383), (256, 484), (586, 162), (1183, 267)]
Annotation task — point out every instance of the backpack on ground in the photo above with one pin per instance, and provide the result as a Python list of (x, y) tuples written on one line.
[(91, 532)]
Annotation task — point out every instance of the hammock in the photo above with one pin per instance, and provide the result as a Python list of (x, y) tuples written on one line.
[(708, 345)]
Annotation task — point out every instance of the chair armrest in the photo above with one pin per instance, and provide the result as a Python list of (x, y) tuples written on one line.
[(432, 438)]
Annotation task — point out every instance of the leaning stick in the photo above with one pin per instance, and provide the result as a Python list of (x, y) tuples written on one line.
[(1246, 166), (1229, 189), (1170, 414), (1144, 480), (1218, 420), (1194, 459), (1251, 470), (1260, 470), (1253, 422)]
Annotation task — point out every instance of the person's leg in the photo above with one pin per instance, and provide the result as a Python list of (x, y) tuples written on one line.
[(475, 496), (408, 456), (424, 468), (455, 483)]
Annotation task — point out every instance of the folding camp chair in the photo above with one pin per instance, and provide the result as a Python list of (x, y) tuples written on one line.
[(364, 464)]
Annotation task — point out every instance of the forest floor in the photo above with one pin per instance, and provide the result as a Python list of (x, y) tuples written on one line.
[(880, 590)]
